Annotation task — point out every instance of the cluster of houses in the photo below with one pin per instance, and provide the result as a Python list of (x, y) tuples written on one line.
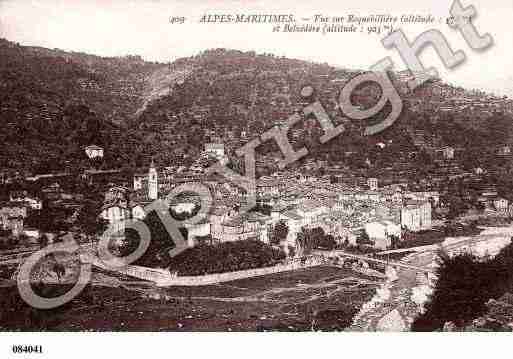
[(123, 203), (14, 212), (297, 200)]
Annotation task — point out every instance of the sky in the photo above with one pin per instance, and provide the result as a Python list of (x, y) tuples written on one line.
[(121, 27)]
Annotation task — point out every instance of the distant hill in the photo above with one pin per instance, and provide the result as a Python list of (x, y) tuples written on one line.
[(53, 103), (231, 95)]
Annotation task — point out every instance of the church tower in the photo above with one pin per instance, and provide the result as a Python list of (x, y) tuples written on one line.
[(153, 183)]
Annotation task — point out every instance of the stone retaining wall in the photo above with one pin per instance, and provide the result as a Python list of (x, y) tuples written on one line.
[(162, 277)]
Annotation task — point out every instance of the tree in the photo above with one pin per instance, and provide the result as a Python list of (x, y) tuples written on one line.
[(423, 159), (456, 207), (327, 242), (309, 239), (43, 241), (262, 208), (225, 257), (49, 219), (280, 232), (160, 244), (363, 238), (88, 220), (302, 242), (395, 241), (464, 286), (127, 175)]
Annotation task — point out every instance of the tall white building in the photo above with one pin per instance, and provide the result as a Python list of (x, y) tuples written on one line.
[(416, 215), (153, 183)]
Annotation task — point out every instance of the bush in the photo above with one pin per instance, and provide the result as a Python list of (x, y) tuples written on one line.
[(160, 244), (279, 233), (225, 257), (314, 238), (465, 283), (326, 242)]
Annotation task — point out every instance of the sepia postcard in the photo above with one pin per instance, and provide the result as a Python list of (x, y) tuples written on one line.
[(234, 166)]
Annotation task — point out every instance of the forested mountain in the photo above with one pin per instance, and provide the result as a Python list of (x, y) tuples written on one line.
[(53, 103), (233, 95)]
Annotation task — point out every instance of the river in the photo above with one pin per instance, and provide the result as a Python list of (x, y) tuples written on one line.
[(397, 302)]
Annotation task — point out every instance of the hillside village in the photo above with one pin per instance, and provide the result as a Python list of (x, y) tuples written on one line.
[(87, 147), (314, 195), (372, 181)]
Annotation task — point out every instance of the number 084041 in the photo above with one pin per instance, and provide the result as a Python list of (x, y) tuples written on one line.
[(27, 349)]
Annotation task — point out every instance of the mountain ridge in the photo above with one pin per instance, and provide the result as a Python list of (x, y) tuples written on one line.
[(140, 109)]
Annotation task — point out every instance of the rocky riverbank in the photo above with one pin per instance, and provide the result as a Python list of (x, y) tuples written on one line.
[(399, 300)]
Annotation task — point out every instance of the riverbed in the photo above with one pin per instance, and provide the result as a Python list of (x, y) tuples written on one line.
[(319, 298), (397, 302)]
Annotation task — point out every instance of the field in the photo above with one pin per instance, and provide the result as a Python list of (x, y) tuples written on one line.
[(320, 298)]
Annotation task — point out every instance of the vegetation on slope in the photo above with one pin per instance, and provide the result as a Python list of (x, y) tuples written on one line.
[(465, 285)]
